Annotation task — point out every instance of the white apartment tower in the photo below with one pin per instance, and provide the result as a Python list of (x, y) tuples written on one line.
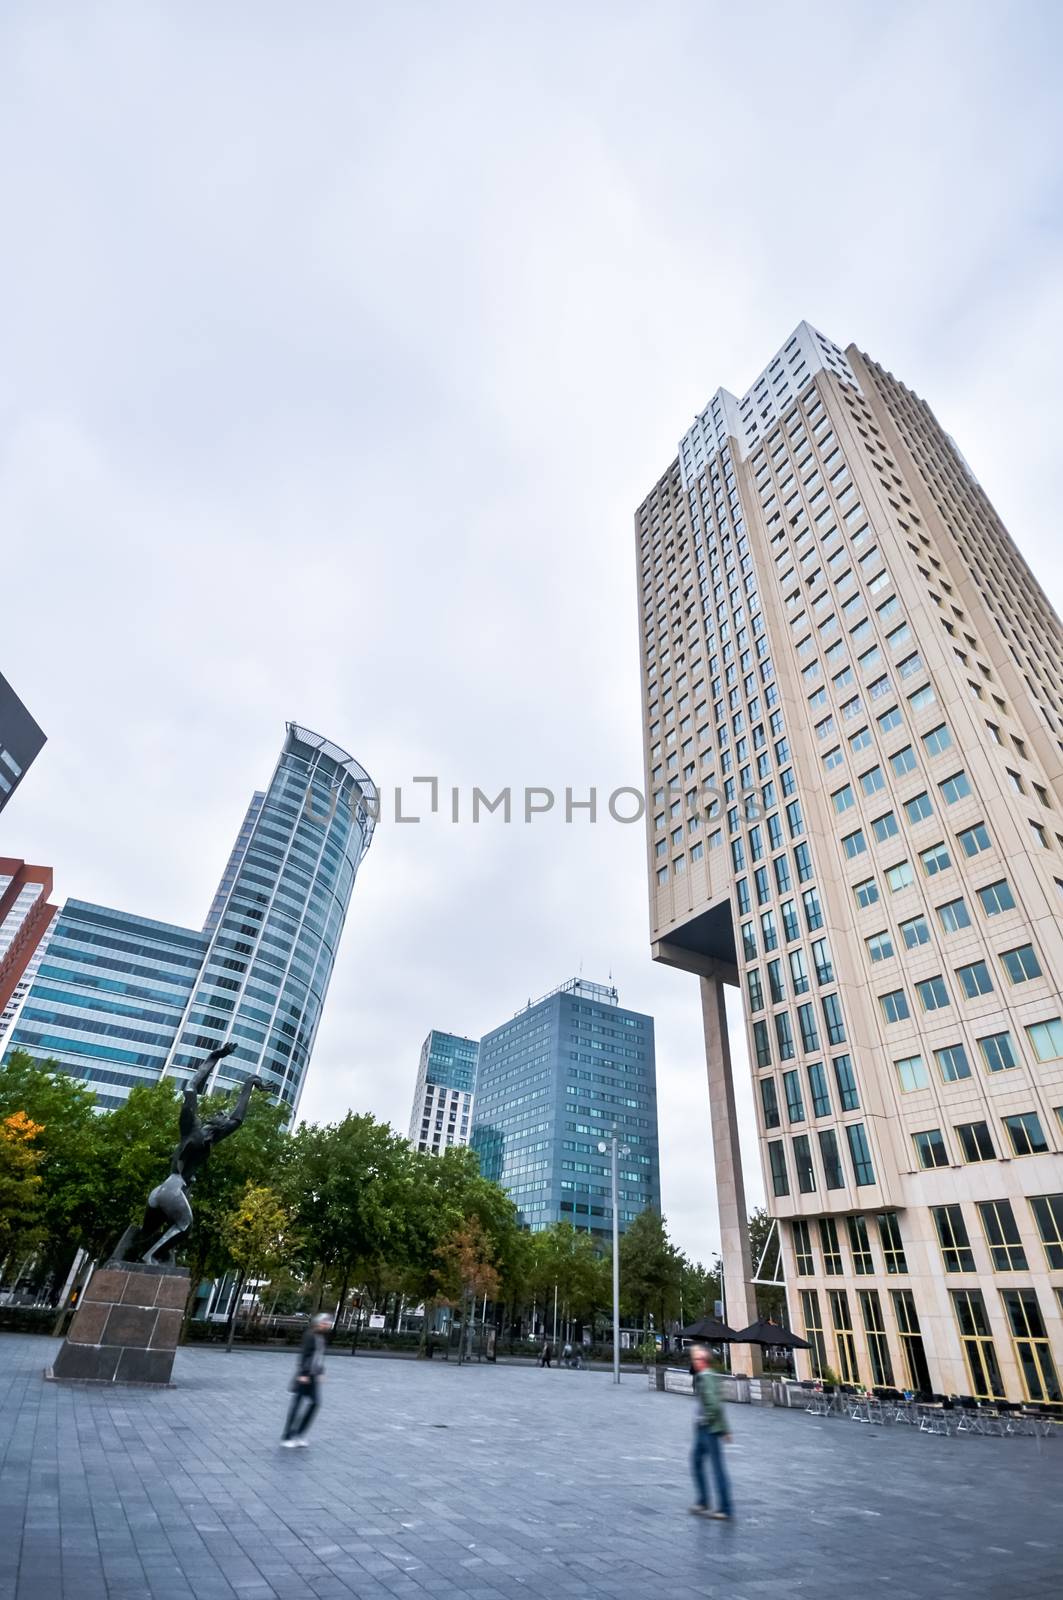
[(853, 699), (443, 1096)]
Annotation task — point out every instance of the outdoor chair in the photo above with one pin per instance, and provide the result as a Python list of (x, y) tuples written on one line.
[(1011, 1417), (819, 1403), (906, 1408), (1038, 1421), (993, 1424), (823, 1401), (972, 1418), (936, 1415), (864, 1408), (890, 1400), (931, 1420), (1051, 1420)]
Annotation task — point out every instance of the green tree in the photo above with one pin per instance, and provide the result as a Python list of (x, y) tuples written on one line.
[(444, 1194), (72, 1187), (568, 1260), (467, 1272), (97, 1171), (699, 1289), (467, 1263), (348, 1189), (257, 1235), (21, 1198), (650, 1270), (367, 1211), (771, 1298)]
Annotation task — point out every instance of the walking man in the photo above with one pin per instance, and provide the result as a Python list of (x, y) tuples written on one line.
[(710, 1436), (308, 1374)]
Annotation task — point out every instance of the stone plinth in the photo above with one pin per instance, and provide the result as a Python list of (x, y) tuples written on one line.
[(126, 1328)]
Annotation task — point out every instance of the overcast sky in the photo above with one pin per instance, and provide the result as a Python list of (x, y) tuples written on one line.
[(341, 342)]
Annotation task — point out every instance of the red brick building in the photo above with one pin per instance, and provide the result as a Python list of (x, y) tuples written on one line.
[(26, 917)]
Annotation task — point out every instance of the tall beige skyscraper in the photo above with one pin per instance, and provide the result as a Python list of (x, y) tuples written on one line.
[(853, 697)]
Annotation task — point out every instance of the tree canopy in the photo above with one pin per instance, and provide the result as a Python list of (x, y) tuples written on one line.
[(346, 1207), (21, 1199)]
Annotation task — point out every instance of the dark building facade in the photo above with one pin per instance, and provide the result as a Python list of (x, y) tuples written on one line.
[(21, 741)]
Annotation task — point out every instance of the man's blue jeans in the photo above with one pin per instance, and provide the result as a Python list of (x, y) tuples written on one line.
[(707, 1443)]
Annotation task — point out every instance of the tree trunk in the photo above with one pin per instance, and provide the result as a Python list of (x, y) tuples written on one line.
[(197, 1275), (235, 1310)]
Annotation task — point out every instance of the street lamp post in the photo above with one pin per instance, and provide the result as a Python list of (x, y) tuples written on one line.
[(617, 1149)]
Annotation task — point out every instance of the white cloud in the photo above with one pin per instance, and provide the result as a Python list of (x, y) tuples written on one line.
[(341, 345)]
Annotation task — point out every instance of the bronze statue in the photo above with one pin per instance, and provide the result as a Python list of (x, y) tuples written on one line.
[(168, 1205)]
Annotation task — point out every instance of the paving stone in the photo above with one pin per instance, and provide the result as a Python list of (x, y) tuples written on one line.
[(488, 1483)]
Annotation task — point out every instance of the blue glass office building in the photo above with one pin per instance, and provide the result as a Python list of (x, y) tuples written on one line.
[(235, 861), (123, 1000), (552, 1083), (273, 948), (108, 997)]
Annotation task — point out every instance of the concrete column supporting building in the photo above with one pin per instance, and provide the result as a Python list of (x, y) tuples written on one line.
[(740, 1296)]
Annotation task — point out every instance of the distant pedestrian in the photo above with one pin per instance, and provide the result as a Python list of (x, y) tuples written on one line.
[(710, 1436), (308, 1374), (566, 1355), (547, 1354)]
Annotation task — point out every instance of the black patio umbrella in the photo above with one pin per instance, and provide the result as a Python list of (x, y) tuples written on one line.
[(770, 1333), (711, 1329)]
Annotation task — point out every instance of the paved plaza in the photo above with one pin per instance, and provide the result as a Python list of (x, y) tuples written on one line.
[(488, 1483)]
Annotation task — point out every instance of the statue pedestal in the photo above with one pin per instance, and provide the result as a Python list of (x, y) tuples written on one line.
[(126, 1328)]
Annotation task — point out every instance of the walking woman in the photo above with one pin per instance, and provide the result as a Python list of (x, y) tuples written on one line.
[(308, 1374)]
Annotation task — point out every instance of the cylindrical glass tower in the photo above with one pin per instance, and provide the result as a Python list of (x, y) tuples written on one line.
[(277, 920)]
